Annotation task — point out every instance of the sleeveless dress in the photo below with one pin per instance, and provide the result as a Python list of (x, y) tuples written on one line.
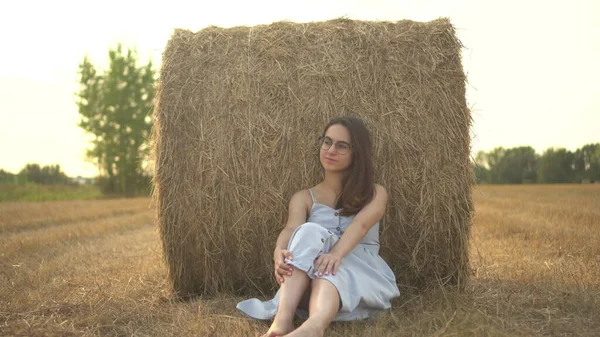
[(364, 281)]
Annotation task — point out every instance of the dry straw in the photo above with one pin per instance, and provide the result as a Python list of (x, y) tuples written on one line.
[(237, 117)]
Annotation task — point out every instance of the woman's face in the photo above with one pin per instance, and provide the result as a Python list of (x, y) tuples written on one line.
[(336, 151)]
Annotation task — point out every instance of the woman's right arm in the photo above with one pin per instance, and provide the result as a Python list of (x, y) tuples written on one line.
[(297, 215)]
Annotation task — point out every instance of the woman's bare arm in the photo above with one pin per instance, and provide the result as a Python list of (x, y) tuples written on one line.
[(297, 215), (366, 218)]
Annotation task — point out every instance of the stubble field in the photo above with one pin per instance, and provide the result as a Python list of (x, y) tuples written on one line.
[(94, 268)]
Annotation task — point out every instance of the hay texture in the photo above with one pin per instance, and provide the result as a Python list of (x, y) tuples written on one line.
[(237, 118)]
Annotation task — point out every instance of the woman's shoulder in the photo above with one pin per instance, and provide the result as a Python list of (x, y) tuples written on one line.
[(302, 197), (301, 200), (303, 194), (380, 191), (379, 187)]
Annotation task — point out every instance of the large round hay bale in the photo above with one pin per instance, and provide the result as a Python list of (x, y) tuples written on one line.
[(237, 118)]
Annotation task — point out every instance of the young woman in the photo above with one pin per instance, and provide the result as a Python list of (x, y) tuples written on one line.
[(327, 256)]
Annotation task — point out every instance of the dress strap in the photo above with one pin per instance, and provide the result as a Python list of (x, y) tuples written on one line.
[(312, 196)]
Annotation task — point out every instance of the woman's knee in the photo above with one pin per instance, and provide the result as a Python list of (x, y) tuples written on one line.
[(306, 244), (308, 234), (311, 227)]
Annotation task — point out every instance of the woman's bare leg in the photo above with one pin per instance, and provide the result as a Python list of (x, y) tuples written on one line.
[(292, 290), (324, 305)]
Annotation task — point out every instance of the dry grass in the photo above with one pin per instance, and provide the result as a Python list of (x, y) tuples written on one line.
[(535, 257), (237, 118), (36, 192), (18, 216)]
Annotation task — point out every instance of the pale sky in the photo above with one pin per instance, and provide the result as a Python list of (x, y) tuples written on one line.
[(533, 66)]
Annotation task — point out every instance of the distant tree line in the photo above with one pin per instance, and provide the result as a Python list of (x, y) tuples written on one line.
[(34, 173), (521, 165), (518, 165)]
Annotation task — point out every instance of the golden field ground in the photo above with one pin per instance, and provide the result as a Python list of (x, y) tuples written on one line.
[(94, 268)]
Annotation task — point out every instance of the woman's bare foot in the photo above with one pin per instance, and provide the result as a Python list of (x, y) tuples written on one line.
[(279, 328), (307, 330)]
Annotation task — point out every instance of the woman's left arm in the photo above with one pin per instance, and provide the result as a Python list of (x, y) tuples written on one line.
[(364, 220)]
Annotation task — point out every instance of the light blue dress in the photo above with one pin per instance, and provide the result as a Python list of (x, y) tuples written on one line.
[(364, 281)]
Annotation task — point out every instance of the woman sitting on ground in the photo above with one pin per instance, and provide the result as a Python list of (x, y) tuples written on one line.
[(327, 256)]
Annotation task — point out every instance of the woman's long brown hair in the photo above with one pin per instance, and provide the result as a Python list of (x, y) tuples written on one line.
[(358, 186)]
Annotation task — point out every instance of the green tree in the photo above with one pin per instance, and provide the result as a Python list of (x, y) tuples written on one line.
[(115, 107), (480, 168), (587, 162), (595, 167), (494, 159), (557, 166), (507, 166), (518, 165)]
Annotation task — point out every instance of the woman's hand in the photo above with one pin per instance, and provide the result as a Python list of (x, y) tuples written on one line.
[(327, 263), (281, 268)]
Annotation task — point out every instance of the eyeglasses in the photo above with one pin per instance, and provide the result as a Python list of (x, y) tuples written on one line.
[(341, 147)]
